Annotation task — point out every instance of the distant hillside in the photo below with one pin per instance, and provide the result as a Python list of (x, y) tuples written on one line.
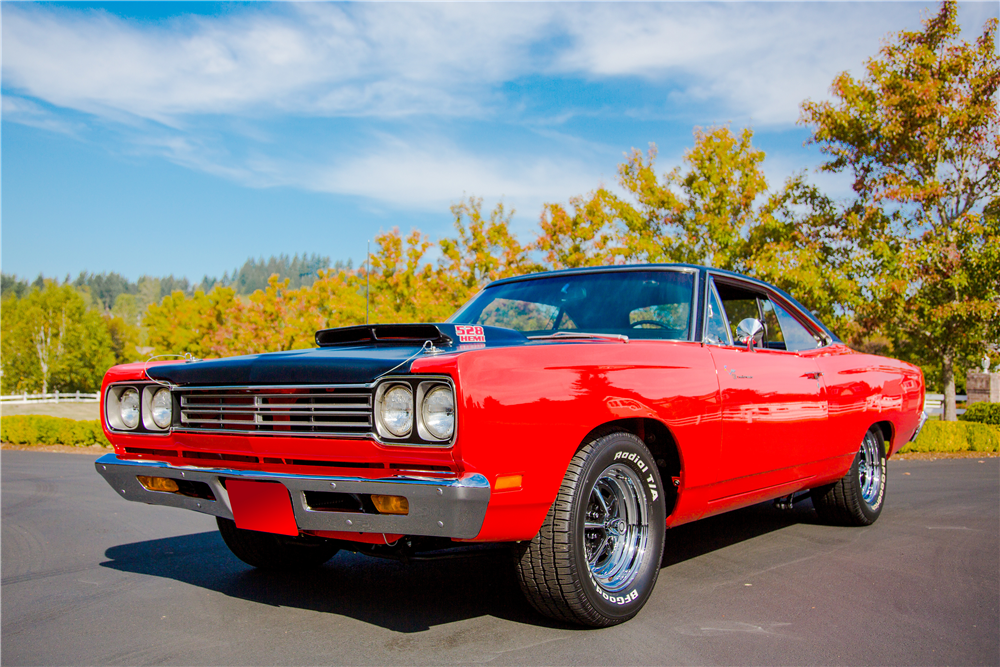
[(104, 288)]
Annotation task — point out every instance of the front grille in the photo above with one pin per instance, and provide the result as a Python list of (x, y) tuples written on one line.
[(277, 410)]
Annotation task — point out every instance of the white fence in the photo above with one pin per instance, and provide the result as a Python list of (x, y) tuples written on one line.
[(54, 397), (934, 404)]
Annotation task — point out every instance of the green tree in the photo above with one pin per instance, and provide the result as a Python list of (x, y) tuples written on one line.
[(919, 135), (50, 340)]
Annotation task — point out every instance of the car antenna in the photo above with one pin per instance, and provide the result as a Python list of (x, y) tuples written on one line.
[(368, 278)]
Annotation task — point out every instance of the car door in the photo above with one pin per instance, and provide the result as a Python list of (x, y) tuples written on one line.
[(774, 407)]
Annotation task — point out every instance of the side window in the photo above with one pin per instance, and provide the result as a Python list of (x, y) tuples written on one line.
[(716, 329), (796, 336), (740, 309), (773, 337)]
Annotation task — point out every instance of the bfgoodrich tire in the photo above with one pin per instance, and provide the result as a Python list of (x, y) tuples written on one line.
[(596, 558), (857, 498), (274, 552)]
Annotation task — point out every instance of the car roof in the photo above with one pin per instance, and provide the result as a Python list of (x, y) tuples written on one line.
[(805, 312)]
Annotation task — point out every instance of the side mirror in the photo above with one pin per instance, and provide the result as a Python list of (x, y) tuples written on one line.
[(750, 332)]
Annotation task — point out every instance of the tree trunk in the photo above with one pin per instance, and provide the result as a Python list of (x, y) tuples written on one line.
[(948, 380)]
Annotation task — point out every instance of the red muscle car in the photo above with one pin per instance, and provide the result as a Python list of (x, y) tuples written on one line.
[(574, 415)]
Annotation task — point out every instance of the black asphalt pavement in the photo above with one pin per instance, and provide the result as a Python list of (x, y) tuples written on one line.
[(90, 579)]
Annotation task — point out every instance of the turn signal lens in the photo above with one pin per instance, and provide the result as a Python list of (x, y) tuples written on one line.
[(164, 484), (391, 504), (508, 482)]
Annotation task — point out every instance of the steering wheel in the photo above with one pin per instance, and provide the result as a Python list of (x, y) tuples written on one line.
[(639, 323)]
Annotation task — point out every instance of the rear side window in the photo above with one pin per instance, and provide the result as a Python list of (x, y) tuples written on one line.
[(796, 336)]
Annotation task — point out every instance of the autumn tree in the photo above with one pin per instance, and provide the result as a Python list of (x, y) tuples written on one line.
[(485, 248), (918, 134), (278, 318), (403, 285), (186, 325), (718, 210), (582, 236)]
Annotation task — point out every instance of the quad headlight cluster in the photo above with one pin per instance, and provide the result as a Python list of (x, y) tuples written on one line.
[(415, 411), (126, 407)]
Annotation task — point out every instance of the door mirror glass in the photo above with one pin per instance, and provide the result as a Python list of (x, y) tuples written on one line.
[(750, 332)]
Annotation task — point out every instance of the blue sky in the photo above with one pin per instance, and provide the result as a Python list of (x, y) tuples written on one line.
[(182, 138)]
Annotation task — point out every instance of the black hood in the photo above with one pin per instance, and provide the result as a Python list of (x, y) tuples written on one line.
[(350, 355)]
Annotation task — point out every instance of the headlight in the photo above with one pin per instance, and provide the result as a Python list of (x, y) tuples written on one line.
[(437, 411), (396, 410), (128, 408), (162, 408)]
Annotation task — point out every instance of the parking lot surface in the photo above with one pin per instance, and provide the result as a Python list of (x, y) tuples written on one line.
[(90, 579)]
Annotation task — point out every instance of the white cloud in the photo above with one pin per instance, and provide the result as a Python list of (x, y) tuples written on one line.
[(751, 63), (309, 59), (759, 59), (26, 112)]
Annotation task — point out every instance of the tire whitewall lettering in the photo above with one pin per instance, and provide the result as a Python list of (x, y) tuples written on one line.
[(858, 497), (597, 556)]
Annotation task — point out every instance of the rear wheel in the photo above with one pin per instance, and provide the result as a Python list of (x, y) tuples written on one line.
[(856, 499), (597, 556), (274, 552)]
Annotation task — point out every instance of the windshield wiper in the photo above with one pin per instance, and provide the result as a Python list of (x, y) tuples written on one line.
[(581, 335)]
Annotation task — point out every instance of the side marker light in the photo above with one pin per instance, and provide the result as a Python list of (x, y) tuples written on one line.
[(508, 482)]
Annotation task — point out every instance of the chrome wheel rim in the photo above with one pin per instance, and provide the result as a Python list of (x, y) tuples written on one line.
[(870, 469), (616, 528)]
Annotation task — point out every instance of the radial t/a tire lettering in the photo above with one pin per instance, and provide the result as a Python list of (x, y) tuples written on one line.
[(274, 552), (597, 556), (857, 498)]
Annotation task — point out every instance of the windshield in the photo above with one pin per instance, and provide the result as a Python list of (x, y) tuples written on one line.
[(638, 304)]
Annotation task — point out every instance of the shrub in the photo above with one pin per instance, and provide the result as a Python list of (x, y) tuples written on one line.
[(984, 413), (44, 430), (939, 436)]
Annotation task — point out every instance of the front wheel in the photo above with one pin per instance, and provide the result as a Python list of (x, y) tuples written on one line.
[(856, 499), (596, 558), (274, 552)]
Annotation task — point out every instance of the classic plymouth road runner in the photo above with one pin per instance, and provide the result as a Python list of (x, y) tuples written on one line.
[(574, 416)]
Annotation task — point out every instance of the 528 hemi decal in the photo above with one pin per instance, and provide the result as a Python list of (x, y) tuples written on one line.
[(470, 334)]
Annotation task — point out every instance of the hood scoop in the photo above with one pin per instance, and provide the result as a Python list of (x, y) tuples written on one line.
[(386, 334)]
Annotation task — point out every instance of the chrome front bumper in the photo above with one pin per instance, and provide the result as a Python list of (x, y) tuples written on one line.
[(438, 507), (920, 425)]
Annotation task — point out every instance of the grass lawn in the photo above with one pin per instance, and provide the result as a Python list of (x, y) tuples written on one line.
[(67, 410)]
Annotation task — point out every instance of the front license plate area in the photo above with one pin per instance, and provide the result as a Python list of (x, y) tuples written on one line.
[(263, 506)]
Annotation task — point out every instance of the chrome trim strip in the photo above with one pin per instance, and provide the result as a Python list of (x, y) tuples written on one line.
[(439, 507), (580, 335), (920, 425), (290, 434), (258, 387), (252, 411)]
